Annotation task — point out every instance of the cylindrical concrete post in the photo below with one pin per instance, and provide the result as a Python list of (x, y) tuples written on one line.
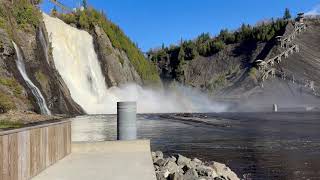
[(126, 124), (275, 108)]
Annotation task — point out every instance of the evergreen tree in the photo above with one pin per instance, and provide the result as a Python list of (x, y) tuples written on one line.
[(181, 62), (84, 4), (287, 14), (54, 11)]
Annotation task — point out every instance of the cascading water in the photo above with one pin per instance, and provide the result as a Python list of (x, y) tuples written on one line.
[(75, 59), (77, 63), (35, 91), (44, 45)]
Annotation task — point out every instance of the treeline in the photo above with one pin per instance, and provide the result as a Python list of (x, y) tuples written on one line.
[(89, 17), (205, 45)]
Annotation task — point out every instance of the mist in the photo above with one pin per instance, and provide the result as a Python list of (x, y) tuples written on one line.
[(169, 100)]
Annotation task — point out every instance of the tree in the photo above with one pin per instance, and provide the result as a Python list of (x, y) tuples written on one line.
[(84, 4), (181, 62), (54, 11), (287, 14)]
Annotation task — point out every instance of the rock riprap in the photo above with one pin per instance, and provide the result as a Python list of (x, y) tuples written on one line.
[(179, 167)]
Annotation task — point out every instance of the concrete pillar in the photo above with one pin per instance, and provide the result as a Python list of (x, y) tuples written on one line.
[(126, 124), (275, 108)]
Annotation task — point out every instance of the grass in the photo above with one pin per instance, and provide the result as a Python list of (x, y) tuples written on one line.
[(42, 78), (6, 103), (5, 124), (12, 84)]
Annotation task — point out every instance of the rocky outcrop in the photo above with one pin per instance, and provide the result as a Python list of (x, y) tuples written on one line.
[(182, 168), (13, 95), (36, 49), (115, 64)]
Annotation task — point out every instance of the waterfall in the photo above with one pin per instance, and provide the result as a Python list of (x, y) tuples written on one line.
[(35, 91), (44, 45), (77, 63), (75, 59)]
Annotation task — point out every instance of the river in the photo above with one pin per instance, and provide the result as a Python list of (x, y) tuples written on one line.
[(254, 145)]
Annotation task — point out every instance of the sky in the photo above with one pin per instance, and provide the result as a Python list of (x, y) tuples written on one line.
[(151, 23)]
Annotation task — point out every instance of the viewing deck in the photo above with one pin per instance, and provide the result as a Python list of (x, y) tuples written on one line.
[(116, 160)]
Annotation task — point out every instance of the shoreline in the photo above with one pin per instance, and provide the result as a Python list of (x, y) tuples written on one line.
[(179, 167)]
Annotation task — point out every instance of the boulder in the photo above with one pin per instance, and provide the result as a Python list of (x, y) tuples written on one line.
[(191, 174), (160, 162), (183, 161), (206, 171), (171, 167), (159, 154), (224, 171), (176, 176), (197, 161), (163, 174)]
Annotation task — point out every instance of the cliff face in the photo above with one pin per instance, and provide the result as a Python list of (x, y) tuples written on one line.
[(115, 64), (21, 21), (33, 41), (233, 73)]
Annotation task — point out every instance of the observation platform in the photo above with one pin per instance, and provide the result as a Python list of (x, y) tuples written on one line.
[(116, 160)]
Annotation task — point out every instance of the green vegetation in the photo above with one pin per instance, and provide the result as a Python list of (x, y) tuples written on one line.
[(120, 59), (90, 17), (205, 45), (287, 14), (217, 82), (2, 18), (5, 124), (6, 103), (13, 85), (253, 74), (27, 16), (41, 78)]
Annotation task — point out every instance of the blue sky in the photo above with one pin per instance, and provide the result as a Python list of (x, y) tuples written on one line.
[(150, 23)]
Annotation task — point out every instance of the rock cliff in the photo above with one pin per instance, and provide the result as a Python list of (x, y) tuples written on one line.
[(31, 37)]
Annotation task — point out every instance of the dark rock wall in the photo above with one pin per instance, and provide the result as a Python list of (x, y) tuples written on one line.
[(115, 64)]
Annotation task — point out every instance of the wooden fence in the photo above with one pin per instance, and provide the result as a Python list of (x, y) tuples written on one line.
[(26, 152)]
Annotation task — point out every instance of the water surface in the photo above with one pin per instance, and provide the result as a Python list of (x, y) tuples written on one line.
[(256, 145)]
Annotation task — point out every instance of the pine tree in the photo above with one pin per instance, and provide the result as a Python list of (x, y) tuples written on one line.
[(181, 62), (287, 14), (84, 4), (54, 11)]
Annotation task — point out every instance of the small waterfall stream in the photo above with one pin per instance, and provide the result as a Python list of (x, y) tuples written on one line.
[(44, 45), (35, 91)]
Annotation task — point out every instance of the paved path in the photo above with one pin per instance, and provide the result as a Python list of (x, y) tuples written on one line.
[(114, 160)]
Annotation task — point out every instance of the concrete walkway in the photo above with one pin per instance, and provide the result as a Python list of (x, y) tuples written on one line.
[(114, 160)]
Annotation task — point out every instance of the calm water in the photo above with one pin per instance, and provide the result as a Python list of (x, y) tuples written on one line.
[(257, 145)]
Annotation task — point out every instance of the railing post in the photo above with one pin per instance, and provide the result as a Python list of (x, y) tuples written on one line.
[(126, 121)]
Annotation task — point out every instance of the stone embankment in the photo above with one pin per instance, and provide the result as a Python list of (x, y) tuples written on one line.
[(179, 167)]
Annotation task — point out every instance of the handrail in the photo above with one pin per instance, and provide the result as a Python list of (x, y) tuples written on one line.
[(41, 125)]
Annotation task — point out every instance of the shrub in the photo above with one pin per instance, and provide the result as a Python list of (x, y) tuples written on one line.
[(13, 85), (6, 103), (42, 78), (26, 14), (217, 82), (253, 74)]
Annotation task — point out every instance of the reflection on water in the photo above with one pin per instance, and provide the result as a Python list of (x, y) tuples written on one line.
[(259, 145)]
